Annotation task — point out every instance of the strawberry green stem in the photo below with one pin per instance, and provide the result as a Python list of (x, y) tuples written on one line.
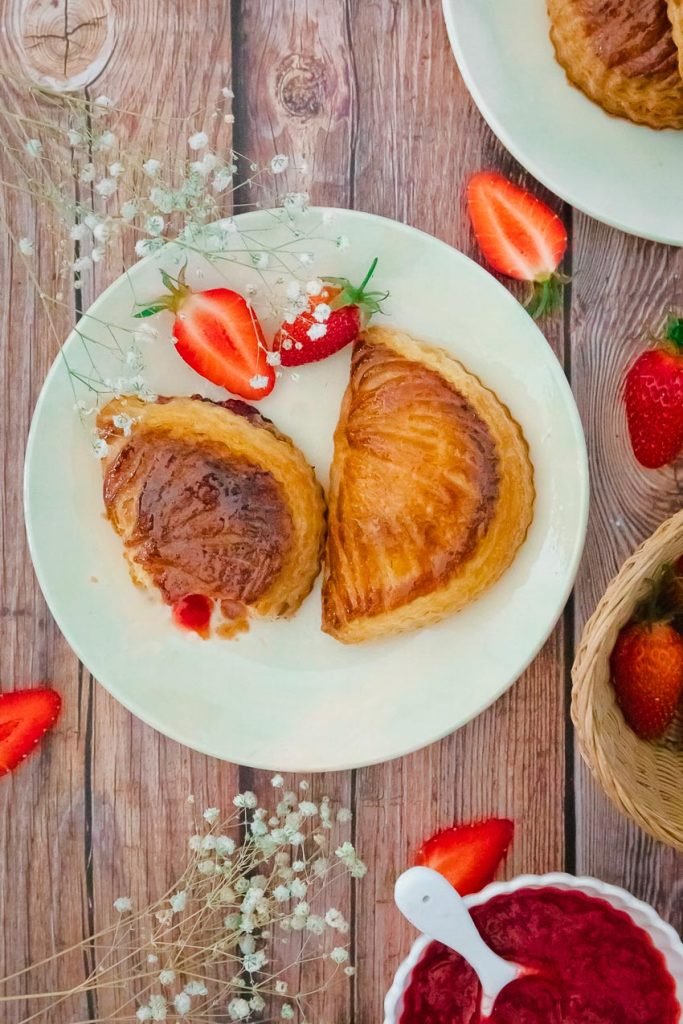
[(673, 331), (369, 274)]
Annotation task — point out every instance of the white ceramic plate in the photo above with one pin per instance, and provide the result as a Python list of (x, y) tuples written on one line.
[(662, 934), (621, 173), (285, 695)]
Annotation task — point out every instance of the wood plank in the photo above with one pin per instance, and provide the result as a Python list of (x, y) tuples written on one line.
[(41, 804), (622, 289), (294, 94), (419, 138)]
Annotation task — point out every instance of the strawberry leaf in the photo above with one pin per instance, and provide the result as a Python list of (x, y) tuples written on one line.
[(150, 310)]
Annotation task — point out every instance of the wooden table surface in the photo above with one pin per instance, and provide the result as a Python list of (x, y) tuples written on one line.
[(368, 94)]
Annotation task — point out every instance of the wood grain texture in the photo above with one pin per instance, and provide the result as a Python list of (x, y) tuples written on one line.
[(366, 100), (294, 94), (623, 288)]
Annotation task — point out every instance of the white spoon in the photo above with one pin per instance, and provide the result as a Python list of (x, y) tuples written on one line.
[(432, 905)]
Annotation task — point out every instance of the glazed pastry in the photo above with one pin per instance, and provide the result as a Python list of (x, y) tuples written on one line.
[(622, 54), (431, 490), (675, 8), (211, 500)]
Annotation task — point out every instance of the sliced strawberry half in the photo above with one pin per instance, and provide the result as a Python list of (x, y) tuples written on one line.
[(519, 235), (218, 334), (25, 717), (468, 855)]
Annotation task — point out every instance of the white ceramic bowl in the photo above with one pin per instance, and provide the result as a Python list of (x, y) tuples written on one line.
[(663, 935)]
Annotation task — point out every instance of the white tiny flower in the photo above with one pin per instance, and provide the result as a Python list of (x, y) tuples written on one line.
[(81, 264), (261, 260), (26, 247), (182, 1004), (304, 786), (257, 1003), (302, 909), (178, 901), (167, 977), (279, 163), (106, 187), (238, 1009), (320, 867), (281, 893), (230, 119), (194, 842), (273, 358), (164, 917), (287, 1011), (335, 919), (103, 103), (246, 799), (143, 1013), (317, 331), (143, 335), (208, 843), (204, 166), (78, 232), (97, 254), (258, 381), (196, 988), (315, 924), (154, 225), (134, 363), (222, 179), (151, 168), (33, 147), (277, 782), (75, 137), (146, 246), (342, 242), (116, 169), (87, 173), (102, 231), (232, 922), (123, 423), (322, 312), (198, 140), (228, 224), (247, 944), (344, 815), (129, 209), (106, 141), (123, 904), (225, 846), (207, 867), (296, 201), (349, 971), (259, 828), (299, 866), (308, 809), (227, 92), (281, 988), (298, 888), (158, 1006), (254, 962), (339, 955)]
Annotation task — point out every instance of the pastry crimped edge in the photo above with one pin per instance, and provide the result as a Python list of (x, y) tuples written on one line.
[(653, 100), (507, 529), (262, 444), (675, 9)]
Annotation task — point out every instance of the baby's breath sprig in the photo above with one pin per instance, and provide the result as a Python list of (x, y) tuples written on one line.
[(211, 947)]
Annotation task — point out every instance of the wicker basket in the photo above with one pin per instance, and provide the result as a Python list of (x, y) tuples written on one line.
[(645, 780)]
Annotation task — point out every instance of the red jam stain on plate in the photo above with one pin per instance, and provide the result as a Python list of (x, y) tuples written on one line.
[(591, 964), (194, 612)]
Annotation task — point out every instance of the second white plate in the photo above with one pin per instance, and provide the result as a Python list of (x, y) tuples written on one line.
[(626, 175)]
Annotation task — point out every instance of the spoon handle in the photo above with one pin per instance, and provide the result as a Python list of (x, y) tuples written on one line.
[(433, 906)]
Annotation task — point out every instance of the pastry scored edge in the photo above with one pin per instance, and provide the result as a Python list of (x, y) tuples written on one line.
[(211, 498), (431, 490), (622, 55)]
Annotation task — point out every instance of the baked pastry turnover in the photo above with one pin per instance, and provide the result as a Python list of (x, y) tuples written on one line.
[(431, 490), (622, 54), (211, 499)]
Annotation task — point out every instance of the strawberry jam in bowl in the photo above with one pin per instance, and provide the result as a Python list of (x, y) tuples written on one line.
[(594, 954)]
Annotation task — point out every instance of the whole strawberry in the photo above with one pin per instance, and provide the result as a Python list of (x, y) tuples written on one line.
[(654, 399), (334, 318), (647, 673)]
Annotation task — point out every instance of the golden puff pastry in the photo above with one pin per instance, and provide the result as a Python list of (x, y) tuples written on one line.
[(675, 9), (431, 490), (622, 55), (211, 499)]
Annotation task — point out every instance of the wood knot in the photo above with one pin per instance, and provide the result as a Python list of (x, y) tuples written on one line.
[(64, 44), (301, 86)]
